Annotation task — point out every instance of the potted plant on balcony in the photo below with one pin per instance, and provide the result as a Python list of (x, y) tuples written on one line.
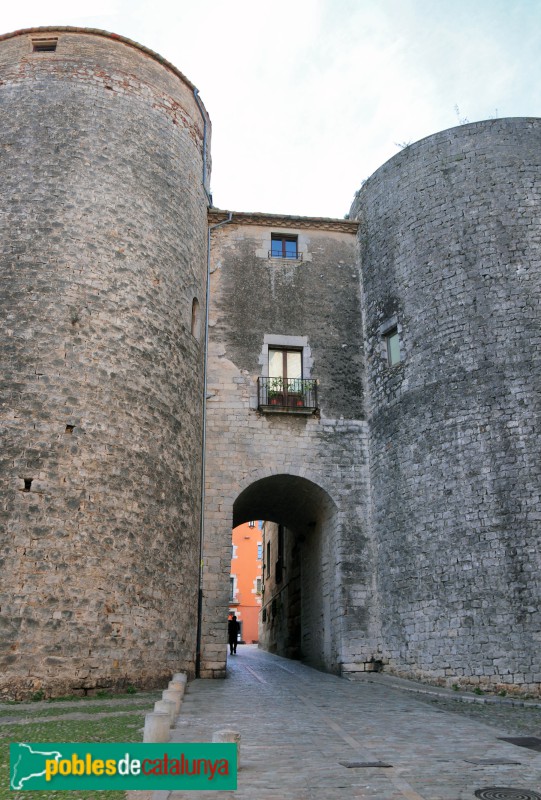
[(275, 391), (296, 392)]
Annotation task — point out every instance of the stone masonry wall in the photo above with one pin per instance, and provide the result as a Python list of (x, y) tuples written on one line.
[(102, 249), (412, 496), (302, 609), (451, 253), (294, 469), (280, 624)]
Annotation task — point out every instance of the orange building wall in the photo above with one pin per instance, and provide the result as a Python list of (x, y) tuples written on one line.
[(245, 569)]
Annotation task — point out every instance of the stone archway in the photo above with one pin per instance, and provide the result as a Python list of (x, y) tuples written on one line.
[(301, 599), (311, 519), (291, 499)]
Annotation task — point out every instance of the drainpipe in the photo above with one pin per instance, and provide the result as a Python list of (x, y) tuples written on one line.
[(204, 453)]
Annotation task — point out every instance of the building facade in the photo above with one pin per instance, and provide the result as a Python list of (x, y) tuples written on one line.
[(380, 409), (303, 466), (246, 579)]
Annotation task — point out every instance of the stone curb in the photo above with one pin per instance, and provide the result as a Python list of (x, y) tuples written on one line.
[(403, 684)]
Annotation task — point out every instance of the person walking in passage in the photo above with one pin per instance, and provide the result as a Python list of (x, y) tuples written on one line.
[(233, 629)]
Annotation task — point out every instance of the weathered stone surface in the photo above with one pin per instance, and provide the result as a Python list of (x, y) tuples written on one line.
[(102, 251), (410, 500), (308, 472), (451, 246)]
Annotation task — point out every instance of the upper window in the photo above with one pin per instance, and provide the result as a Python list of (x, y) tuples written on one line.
[(284, 246), (392, 341), (286, 364)]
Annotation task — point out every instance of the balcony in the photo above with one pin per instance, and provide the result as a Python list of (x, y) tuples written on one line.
[(287, 395)]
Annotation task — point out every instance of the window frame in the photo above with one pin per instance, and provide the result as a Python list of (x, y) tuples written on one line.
[(285, 350), (389, 332), (286, 390), (394, 354), (270, 395), (282, 251)]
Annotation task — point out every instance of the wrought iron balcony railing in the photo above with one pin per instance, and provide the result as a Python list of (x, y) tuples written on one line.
[(289, 395), (294, 255)]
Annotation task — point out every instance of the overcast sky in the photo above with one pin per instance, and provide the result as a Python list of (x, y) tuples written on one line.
[(309, 97)]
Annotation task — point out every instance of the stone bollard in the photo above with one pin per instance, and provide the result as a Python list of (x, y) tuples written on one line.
[(180, 677), (177, 686), (228, 735), (173, 697), (157, 726), (166, 707)]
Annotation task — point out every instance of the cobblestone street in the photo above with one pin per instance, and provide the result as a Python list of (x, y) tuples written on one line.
[(298, 724)]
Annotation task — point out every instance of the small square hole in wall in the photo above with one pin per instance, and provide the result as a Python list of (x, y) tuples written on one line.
[(44, 45)]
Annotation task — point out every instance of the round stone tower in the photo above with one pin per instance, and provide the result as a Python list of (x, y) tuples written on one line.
[(451, 283), (103, 271)]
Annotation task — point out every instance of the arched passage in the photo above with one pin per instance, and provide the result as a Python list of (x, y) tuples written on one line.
[(322, 589), (300, 601)]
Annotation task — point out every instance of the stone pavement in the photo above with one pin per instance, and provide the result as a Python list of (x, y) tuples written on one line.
[(298, 724)]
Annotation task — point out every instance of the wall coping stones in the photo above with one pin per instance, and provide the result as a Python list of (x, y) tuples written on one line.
[(216, 215)]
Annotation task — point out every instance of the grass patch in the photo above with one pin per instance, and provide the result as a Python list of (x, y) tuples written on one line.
[(101, 694), (81, 705), (114, 728), (48, 711)]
